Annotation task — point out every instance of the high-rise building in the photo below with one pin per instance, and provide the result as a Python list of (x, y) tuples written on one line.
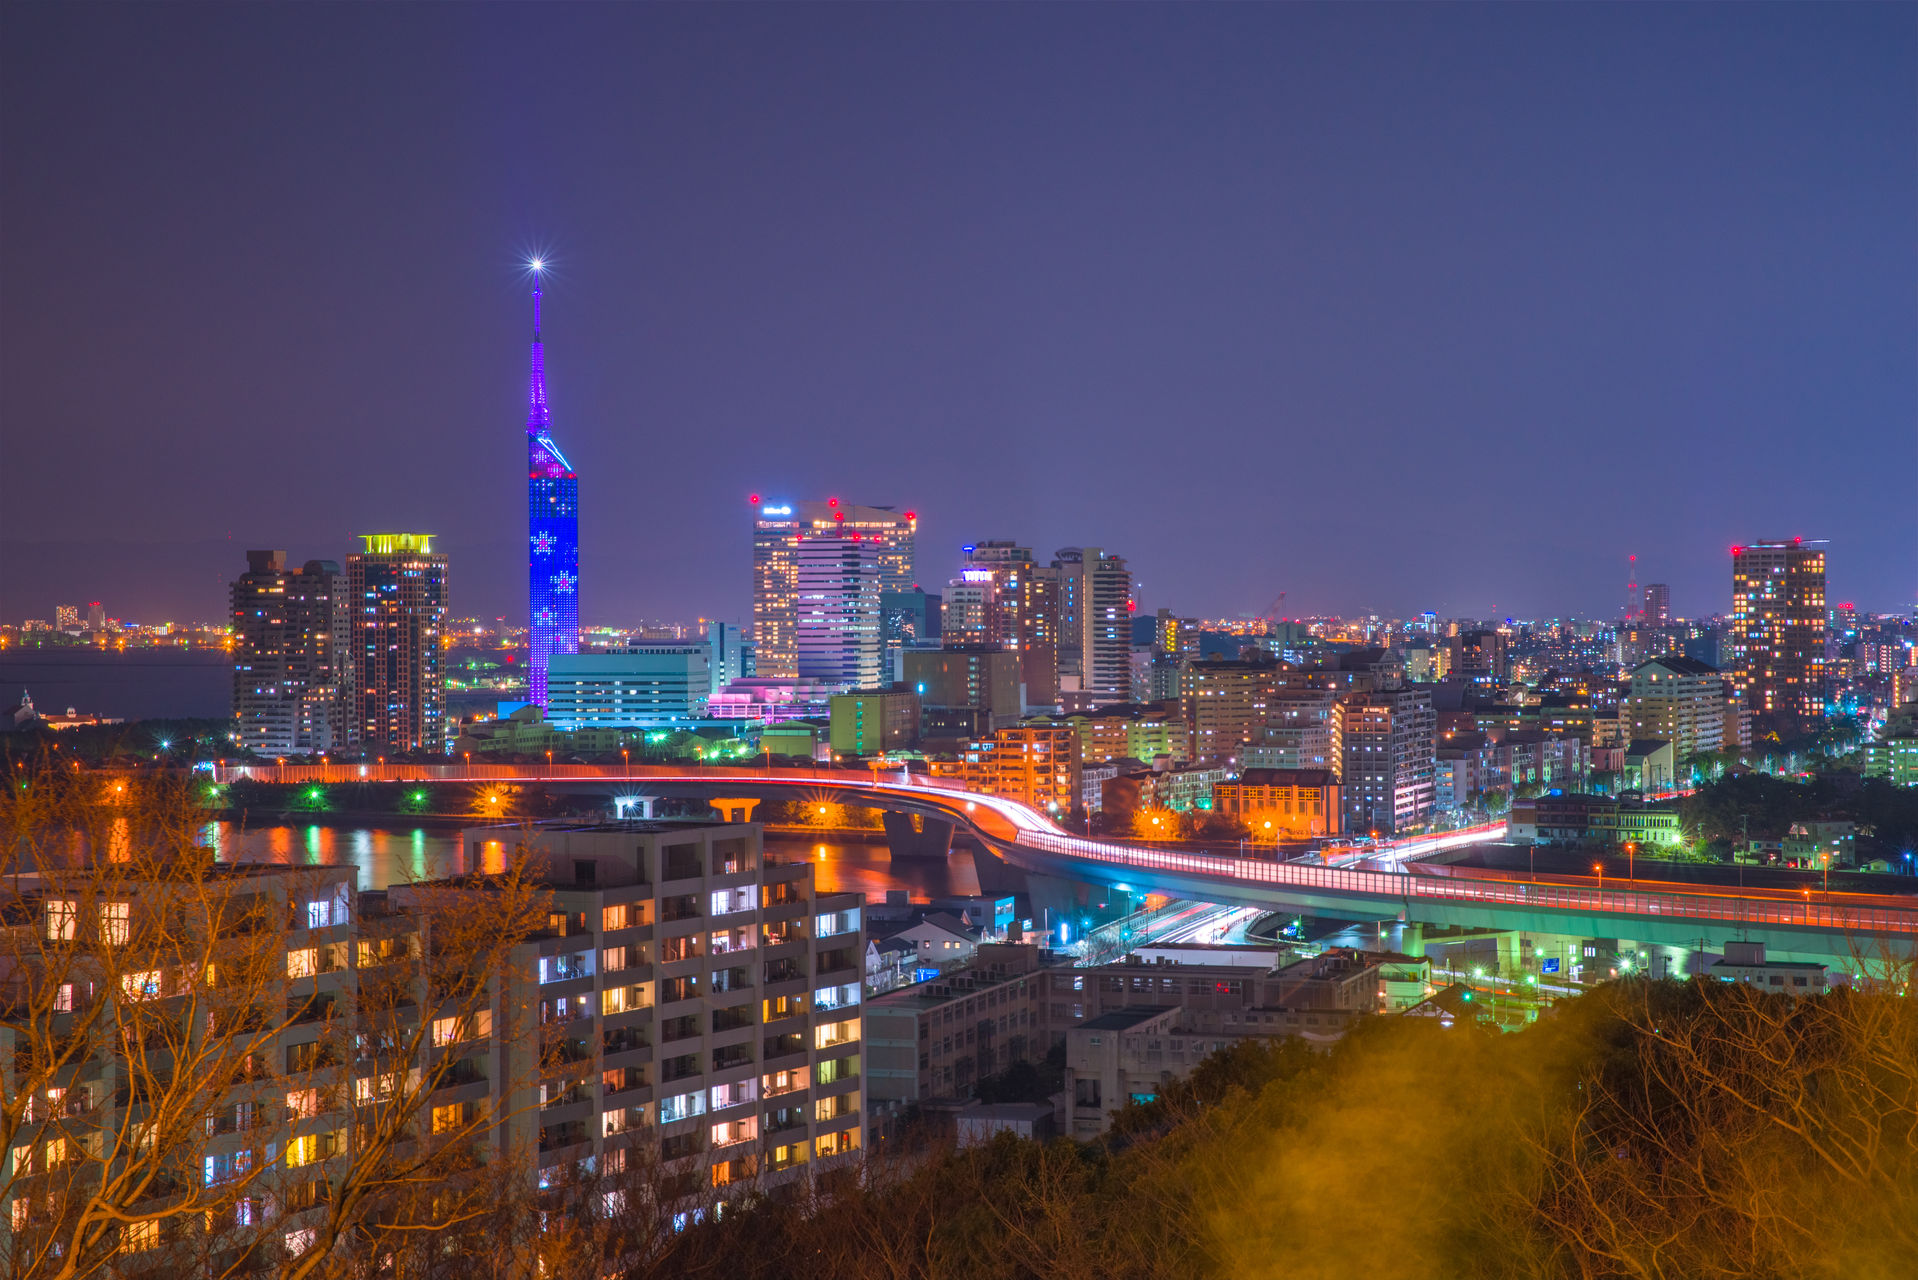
[(780, 530), (1176, 637), (710, 1002), (552, 530), (1658, 604), (836, 635), (96, 616), (1477, 656), (1095, 610), (729, 660), (66, 617), (396, 595), (1388, 745), (291, 686), (1021, 607), (1778, 629)]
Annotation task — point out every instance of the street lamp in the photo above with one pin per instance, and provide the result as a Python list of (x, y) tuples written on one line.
[(1599, 868), (1631, 860)]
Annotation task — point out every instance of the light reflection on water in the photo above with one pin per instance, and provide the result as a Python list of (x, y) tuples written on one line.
[(399, 854)]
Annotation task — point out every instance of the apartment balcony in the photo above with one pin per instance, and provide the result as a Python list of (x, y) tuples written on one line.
[(728, 1057)]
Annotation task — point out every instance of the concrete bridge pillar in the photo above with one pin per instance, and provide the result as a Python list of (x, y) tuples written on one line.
[(743, 806), (913, 835)]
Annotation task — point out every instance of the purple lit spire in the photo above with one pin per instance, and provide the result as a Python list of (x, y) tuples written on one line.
[(552, 511)]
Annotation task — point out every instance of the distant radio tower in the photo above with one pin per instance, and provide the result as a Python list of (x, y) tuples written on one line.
[(1634, 604)]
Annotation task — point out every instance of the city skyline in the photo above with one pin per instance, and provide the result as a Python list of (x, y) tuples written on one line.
[(1401, 291)]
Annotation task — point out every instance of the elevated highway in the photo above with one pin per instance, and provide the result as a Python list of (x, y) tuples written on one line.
[(1389, 885)]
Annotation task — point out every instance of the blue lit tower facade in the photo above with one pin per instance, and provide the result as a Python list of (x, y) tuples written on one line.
[(552, 530)]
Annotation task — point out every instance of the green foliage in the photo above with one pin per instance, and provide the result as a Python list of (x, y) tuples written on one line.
[(1646, 1130)]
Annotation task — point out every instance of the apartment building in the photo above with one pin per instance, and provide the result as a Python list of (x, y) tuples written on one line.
[(1677, 700), (689, 994), (936, 1039), (1035, 761), (1228, 704), (1133, 731), (260, 1103)]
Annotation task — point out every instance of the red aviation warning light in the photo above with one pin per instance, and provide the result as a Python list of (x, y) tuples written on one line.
[(754, 499)]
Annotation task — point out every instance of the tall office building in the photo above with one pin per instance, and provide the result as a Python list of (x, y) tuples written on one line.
[(836, 635), (1095, 610), (779, 531), (1388, 745), (729, 657), (1778, 629), (1658, 604), (66, 617), (1022, 613), (552, 531), (290, 679), (396, 595)]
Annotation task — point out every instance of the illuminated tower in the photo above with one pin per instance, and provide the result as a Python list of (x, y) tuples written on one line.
[(1778, 629), (552, 530)]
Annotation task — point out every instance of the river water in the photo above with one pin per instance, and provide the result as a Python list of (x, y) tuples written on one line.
[(396, 854)]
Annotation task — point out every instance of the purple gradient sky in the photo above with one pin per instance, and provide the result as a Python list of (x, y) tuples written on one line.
[(1392, 308)]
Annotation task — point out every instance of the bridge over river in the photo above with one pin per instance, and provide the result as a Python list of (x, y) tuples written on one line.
[(921, 813)]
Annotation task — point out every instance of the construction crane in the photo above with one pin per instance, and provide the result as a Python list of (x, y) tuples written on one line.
[(1274, 612)]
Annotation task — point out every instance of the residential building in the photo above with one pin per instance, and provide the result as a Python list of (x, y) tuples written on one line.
[(1282, 804), (292, 685), (1658, 604), (396, 597), (1228, 704), (1477, 657), (657, 685), (1035, 761), (1679, 700), (1895, 759), (873, 721), (1177, 637), (1778, 629), (1304, 729), (552, 518), (837, 579), (699, 999), (1133, 731), (1389, 758), (780, 529), (1095, 633), (936, 1039)]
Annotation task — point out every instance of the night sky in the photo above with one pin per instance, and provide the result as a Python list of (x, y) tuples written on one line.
[(1390, 308)]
